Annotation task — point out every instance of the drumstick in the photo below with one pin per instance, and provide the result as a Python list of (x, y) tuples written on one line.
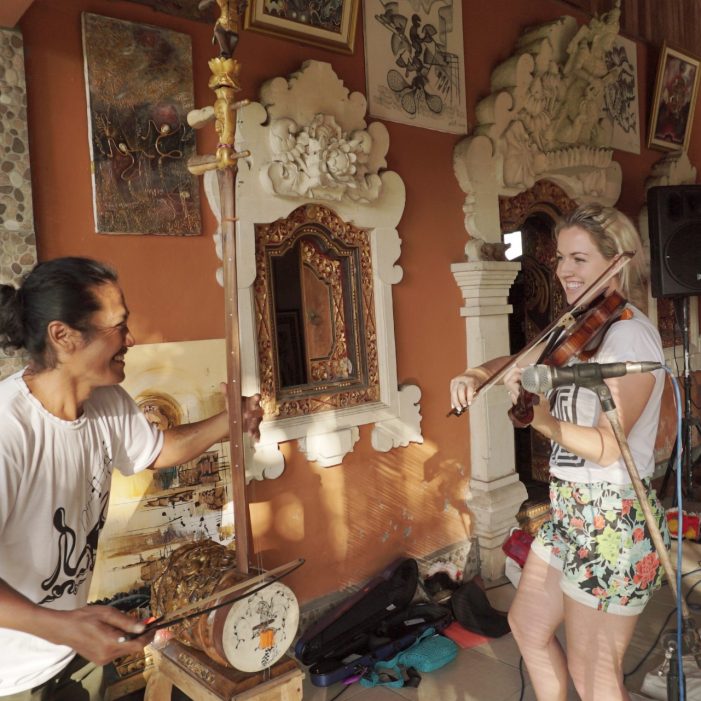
[(194, 609)]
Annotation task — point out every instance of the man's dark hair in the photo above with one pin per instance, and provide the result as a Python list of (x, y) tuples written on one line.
[(56, 290)]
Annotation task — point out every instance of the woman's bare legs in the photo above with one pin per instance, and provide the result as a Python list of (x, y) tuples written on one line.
[(535, 614), (596, 644)]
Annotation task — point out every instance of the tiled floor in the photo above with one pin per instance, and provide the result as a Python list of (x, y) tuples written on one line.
[(490, 672)]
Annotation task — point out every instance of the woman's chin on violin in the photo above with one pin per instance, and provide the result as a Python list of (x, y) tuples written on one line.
[(573, 573)]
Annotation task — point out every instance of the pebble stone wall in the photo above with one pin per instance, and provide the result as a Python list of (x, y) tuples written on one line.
[(17, 240)]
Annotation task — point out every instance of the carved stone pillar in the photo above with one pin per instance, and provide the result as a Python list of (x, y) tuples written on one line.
[(495, 489)]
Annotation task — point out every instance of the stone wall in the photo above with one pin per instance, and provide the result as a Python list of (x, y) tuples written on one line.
[(17, 240)]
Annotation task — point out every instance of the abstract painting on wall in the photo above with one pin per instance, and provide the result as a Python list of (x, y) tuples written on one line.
[(152, 513), (139, 90), (414, 63)]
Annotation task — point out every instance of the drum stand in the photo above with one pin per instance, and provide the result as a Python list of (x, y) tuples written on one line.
[(690, 636), (200, 678)]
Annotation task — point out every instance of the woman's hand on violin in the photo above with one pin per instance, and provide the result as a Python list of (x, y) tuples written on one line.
[(512, 382), (463, 388)]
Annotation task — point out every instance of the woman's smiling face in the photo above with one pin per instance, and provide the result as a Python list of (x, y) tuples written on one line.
[(579, 262)]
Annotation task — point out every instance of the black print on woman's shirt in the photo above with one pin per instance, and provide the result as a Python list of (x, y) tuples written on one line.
[(563, 405)]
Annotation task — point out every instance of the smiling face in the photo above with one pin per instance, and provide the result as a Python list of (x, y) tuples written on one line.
[(100, 354), (579, 262)]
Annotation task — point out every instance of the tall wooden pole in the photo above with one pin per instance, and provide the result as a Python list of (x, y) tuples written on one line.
[(224, 82)]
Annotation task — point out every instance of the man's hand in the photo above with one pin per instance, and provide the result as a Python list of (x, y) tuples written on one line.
[(251, 412), (252, 415), (98, 633)]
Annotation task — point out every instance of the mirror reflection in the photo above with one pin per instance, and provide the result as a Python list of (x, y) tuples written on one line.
[(315, 322)]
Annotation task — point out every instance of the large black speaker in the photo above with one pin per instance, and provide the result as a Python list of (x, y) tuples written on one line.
[(674, 217)]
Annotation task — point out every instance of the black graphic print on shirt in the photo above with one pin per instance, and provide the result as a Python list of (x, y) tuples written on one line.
[(576, 405), (72, 568)]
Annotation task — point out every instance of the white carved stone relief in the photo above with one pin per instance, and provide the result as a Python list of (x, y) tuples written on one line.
[(309, 143), (546, 117), (321, 162)]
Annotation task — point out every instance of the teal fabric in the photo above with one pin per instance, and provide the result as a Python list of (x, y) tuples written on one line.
[(429, 652)]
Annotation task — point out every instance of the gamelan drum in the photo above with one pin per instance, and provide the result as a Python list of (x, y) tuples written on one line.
[(250, 634)]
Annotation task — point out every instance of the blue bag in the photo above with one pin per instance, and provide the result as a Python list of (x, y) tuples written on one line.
[(429, 652)]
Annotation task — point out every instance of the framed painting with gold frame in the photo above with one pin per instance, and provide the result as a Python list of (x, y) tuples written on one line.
[(673, 104), (328, 25)]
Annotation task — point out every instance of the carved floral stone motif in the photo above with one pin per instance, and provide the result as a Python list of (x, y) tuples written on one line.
[(321, 161)]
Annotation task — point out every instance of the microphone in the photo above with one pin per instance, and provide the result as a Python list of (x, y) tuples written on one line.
[(539, 379)]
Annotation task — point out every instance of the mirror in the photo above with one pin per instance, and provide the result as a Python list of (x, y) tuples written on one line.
[(315, 272), (316, 323)]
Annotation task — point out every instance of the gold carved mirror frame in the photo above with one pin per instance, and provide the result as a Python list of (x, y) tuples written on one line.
[(328, 333)]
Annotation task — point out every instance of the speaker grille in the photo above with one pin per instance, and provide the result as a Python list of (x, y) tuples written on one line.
[(674, 217)]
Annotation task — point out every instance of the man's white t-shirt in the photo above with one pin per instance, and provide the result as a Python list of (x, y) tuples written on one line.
[(54, 493), (628, 340)]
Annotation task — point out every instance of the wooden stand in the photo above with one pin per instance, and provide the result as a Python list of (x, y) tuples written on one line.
[(196, 675)]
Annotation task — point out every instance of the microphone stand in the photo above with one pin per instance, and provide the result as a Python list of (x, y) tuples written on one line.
[(690, 635)]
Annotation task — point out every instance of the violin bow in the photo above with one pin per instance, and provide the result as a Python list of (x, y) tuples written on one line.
[(561, 324)]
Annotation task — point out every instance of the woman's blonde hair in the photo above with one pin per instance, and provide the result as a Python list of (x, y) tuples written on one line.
[(612, 233)]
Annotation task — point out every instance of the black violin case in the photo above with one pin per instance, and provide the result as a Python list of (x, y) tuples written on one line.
[(373, 624)]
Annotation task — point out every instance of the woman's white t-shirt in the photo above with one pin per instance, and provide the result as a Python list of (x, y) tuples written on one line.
[(629, 340)]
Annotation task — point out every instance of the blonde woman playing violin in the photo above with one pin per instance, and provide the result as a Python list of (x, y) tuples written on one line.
[(593, 565)]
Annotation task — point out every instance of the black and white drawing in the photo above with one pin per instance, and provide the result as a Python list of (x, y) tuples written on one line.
[(415, 65)]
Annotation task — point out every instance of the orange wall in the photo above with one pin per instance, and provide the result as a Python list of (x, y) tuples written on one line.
[(347, 521)]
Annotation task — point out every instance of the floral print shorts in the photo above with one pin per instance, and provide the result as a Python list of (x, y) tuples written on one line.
[(598, 537)]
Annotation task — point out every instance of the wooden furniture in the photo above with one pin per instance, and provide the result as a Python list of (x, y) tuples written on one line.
[(202, 679)]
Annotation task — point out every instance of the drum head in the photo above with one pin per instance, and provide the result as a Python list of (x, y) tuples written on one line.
[(259, 629)]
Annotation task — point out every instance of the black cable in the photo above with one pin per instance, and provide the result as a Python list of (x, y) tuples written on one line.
[(345, 688), (523, 678)]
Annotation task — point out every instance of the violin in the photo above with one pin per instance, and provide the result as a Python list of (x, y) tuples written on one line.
[(560, 336), (581, 340)]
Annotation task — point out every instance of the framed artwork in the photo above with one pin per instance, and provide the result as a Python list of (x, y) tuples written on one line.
[(673, 104), (621, 95), (189, 9), (139, 87), (414, 63), (330, 25)]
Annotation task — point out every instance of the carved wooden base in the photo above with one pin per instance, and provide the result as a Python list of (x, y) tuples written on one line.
[(200, 678)]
